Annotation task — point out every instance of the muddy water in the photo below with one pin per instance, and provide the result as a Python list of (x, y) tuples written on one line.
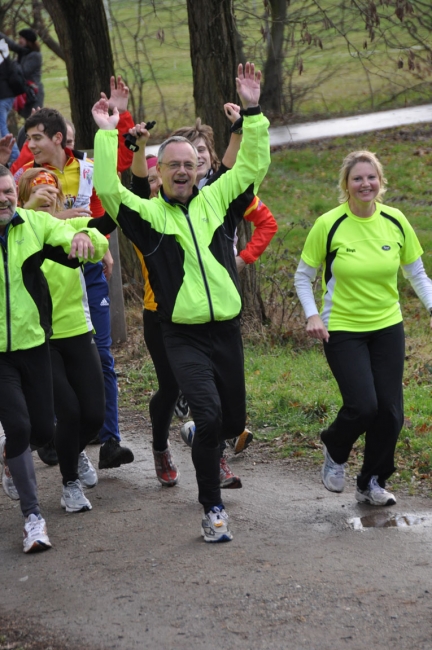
[(390, 520)]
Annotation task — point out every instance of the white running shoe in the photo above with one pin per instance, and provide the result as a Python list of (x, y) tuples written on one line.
[(86, 471), (214, 526), (375, 495), (7, 480), (332, 474), (35, 537), (187, 432), (73, 499)]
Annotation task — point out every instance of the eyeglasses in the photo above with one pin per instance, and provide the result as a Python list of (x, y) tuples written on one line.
[(174, 166)]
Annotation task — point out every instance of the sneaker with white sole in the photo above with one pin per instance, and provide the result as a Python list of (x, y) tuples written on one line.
[(35, 537), (166, 470), (181, 408), (86, 471), (375, 495), (73, 498), (215, 527), (242, 441), (187, 432), (332, 474), (228, 480), (7, 480)]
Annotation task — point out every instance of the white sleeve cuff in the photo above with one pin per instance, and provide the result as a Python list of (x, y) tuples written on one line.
[(303, 278)]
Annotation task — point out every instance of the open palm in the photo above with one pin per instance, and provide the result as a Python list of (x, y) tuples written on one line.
[(248, 85)]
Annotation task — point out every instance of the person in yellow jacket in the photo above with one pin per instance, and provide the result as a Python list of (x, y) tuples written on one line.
[(27, 238)]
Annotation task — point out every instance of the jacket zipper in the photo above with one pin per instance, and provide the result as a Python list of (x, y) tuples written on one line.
[(204, 277), (7, 288)]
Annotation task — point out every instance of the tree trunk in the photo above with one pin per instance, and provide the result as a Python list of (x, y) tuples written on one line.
[(82, 30), (214, 63), (213, 45), (271, 97)]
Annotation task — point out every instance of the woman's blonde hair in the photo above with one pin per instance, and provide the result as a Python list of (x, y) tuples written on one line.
[(25, 185), (352, 159), (204, 131)]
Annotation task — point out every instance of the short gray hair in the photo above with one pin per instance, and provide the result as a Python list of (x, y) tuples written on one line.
[(5, 171), (174, 138)]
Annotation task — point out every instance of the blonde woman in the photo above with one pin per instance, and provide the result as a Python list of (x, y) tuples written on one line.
[(360, 245)]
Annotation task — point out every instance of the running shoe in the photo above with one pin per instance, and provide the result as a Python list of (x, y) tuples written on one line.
[(332, 474), (375, 495), (214, 525), (242, 441), (48, 454), (112, 454), (181, 408), (73, 498), (7, 480), (86, 471), (35, 537), (228, 480), (187, 432), (166, 470)]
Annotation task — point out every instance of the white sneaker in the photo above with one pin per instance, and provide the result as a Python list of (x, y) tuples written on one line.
[(332, 474), (86, 471), (35, 537), (7, 480), (375, 495), (187, 432), (214, 526), (73, 499)]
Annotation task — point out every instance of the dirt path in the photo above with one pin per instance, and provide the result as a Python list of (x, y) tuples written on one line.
[(134, 572)]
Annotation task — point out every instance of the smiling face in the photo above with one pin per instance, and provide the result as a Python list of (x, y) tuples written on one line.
[(363, 183), (8, 200), (178, 171), (204, 158), (44, 149)]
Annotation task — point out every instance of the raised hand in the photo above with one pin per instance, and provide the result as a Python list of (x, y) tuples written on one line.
[(232, 111), (6, 145), (140, 132), (119, 95), (248, 85), (101, 116)]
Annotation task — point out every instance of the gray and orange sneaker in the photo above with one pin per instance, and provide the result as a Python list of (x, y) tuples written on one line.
[(166, 470), (242, 441)]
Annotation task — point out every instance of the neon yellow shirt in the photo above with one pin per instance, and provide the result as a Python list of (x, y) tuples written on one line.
[(361, 258)]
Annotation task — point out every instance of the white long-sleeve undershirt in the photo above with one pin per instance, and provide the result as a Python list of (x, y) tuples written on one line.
[(415, 273)]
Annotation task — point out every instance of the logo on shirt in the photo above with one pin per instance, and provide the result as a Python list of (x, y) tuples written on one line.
[(104, 303), (19, 241), (350, 250), (386, 248)]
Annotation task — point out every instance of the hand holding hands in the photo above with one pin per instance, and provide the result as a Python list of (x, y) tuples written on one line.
[(248, 85)]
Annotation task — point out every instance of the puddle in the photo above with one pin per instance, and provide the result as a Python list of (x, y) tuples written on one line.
[(389, 520)]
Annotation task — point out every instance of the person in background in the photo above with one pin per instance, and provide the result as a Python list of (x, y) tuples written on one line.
[(361, 244), (79, 395), (46, 134), (7, 95), (30, 61)]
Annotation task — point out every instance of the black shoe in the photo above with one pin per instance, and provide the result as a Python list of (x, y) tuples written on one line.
[(111, 454), (48, 454)]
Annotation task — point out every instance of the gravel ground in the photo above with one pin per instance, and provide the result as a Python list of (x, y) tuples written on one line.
[(135, 573)]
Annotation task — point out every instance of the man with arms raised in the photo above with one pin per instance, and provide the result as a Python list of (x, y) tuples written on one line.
[(186, 238)]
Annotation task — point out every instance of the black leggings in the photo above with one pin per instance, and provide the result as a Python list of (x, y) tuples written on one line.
[(368, 367), (207, 361), (163, 402), (26, 399), (79, 398)]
